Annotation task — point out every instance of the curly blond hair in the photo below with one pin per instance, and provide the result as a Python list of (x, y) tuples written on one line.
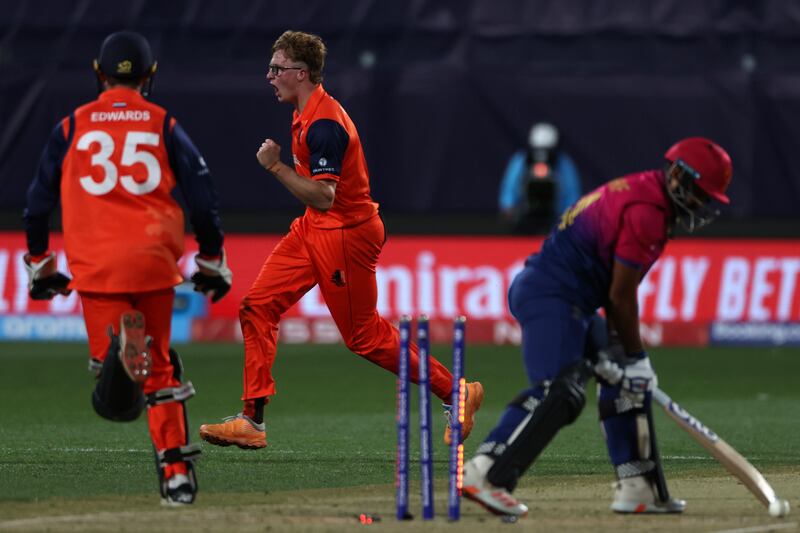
[(306, 48)]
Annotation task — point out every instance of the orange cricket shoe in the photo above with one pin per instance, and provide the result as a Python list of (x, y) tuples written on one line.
[(237, 429), (472, 404), (134, 346)]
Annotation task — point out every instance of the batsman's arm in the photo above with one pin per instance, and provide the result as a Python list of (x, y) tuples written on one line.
[(623, 307), (640, 242), (721, 450)]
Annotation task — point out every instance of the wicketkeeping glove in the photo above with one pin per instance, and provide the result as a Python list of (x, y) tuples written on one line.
[(44, 281), (213, 277)]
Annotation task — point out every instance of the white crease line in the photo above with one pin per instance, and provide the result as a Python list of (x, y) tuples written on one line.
[(5, 449), (758, 529), (305, 452), (64, 519), (75, 450)]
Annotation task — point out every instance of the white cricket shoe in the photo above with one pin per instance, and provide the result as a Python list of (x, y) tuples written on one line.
[(180, 491), (496, 500), (638, 495)]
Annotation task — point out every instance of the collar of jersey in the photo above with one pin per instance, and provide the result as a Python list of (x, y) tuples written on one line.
[(311, 106), (121, 93)]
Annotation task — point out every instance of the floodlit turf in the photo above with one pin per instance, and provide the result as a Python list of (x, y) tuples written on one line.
[(332, 422)]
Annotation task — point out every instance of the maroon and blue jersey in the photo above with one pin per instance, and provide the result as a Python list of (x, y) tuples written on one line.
[(627, 220)]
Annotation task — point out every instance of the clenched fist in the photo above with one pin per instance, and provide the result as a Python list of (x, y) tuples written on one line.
[(269, 154)]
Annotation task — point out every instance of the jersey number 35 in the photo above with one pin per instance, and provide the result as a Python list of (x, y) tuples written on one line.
[(130, 156)]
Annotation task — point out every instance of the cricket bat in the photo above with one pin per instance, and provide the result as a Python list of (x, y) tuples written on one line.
[(724, 453)]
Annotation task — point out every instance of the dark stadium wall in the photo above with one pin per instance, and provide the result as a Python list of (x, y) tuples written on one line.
[(442, 91)]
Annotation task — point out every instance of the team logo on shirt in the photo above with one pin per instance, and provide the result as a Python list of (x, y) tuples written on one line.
[(323, 162), (569, 215)]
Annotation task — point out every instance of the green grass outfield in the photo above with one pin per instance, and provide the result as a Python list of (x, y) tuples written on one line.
[(332, 422)]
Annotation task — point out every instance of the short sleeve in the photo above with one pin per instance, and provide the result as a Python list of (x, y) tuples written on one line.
[(642, 237), (327, 142)]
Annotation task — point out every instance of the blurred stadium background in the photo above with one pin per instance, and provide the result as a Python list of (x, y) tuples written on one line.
[(443, 92)]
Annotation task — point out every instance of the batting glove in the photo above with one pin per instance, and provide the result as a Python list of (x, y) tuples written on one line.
[(213, 277), (44, 281), (639, 377), (609, 366), (609, 371)]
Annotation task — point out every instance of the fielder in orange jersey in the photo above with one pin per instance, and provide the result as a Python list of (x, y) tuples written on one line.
[(114, 163), (335, 245)]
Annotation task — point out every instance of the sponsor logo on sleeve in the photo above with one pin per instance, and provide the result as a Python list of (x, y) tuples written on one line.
[(323, 167)]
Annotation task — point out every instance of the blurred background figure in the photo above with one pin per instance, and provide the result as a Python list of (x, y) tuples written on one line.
[(539, 182)]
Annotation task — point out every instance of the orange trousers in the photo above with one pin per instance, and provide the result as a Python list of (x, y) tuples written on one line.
[(342, 262), (100, 310)]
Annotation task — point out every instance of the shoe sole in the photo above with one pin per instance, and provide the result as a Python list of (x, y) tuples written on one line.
[(172, 504), (497, 512), (134, 351), (475, 403), (219, 441)]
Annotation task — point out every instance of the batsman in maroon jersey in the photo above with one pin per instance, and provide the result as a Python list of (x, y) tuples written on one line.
[(595, 258)]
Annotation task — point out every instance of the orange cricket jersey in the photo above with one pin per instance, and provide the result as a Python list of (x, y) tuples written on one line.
[(123, 231), (353, 203)]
